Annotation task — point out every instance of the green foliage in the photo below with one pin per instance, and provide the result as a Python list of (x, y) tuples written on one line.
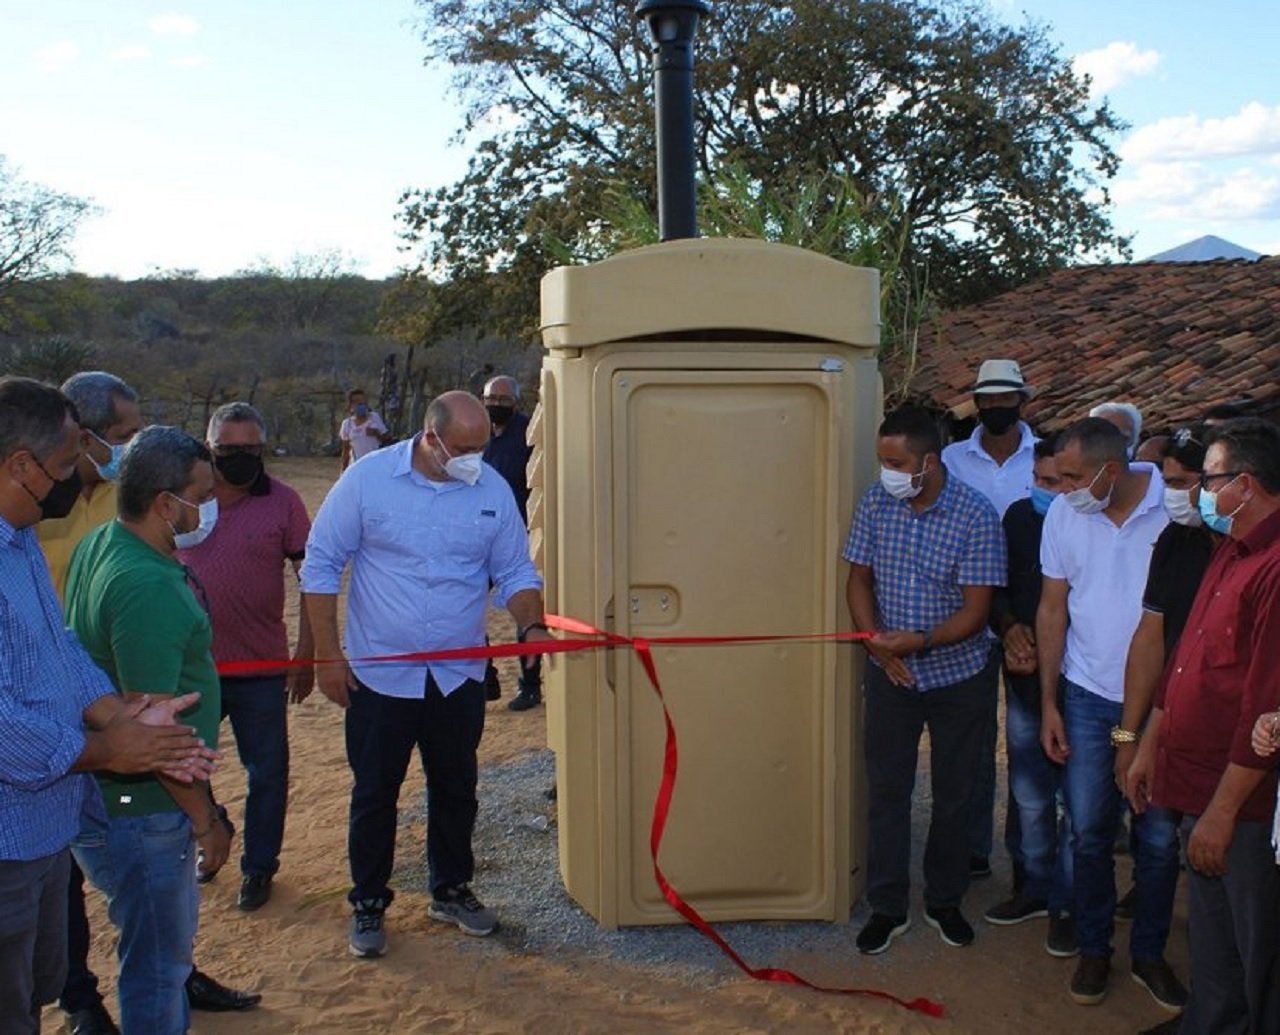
[(51, 359), (973, 140), (37, 225)]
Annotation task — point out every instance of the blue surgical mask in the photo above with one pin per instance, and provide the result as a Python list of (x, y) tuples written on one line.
[(1209, 511), (1041, 499), (109, 471)]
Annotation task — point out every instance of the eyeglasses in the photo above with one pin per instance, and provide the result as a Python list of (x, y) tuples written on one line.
[(502, 400), (233, 450), (1206, 477)]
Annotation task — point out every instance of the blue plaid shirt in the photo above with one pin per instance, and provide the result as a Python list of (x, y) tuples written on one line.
[(46, 681), (921, 561)]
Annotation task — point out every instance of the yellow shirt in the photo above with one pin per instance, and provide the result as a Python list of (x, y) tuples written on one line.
[(59, 538)]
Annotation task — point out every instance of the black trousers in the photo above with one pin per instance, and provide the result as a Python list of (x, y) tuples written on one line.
[(382, 732), (81, 989), (1235, 938), (895, 717)]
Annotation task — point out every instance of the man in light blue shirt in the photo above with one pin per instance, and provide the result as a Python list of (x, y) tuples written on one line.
[(427, 526)]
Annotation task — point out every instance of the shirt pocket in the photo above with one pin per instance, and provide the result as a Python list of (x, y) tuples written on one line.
[(1222, 648)]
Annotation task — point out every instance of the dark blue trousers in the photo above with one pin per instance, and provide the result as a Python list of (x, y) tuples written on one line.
[(382, 732)]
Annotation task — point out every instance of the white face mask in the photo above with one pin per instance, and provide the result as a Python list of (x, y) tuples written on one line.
[(1181, 510), (1085, 502), (901, 485), (465, 468), (208, 518)]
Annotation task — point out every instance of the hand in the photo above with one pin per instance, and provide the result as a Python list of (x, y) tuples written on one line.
[(214, 847), (536, 635), (153, 711), (897, 643), (894, 667), (1265, 739), (1125, 754), (143, 739), (1140, 775), (1053, 736), (300, 681), (1208, 844), (336, 682), (1020, 649)]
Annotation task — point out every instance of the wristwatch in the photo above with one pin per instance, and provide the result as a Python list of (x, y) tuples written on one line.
[(1120, 735), (927, 636)]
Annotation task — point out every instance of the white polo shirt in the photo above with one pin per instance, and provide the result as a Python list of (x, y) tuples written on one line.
[(1106, 570), (1003, 483)]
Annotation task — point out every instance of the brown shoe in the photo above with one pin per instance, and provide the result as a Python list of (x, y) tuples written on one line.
[(1089, 982)]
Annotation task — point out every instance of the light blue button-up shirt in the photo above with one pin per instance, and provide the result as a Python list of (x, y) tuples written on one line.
[(47, 680), (423, 555)]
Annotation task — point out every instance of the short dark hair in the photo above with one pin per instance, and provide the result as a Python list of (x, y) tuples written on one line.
[(1044, 449), (96, 394), (33, 416), (351, 395), (1252, 445), (159, 459), (1098, 439), (915, 425), (1226, 411), (1187, 447)]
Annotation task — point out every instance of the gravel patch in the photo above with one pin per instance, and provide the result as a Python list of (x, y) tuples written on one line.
[(518, 874)]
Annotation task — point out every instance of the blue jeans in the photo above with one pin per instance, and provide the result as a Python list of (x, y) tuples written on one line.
[(1095, 805), (1034, 785), (146, 868), (258, 709)]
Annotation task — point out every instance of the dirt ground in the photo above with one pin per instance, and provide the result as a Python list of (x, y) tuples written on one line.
[(435, 980)]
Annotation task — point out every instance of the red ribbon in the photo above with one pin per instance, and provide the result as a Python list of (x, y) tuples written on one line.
[(588, 637)]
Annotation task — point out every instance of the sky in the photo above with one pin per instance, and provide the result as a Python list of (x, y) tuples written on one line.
[(215, 136)]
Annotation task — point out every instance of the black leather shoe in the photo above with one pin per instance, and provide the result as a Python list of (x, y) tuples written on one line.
[(255, 889), (525, 700), (92, 1021), (203, 993)]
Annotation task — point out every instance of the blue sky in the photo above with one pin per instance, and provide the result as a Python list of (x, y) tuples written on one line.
[(214, 135)]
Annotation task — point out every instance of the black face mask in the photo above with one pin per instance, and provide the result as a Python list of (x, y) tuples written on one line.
[(999, 419), (501, 414), (239, 469), (59, 500)]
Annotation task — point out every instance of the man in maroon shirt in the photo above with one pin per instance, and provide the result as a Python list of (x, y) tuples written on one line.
[(262, 526), (1196, 754)]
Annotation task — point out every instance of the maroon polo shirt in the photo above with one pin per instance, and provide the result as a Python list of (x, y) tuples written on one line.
[(1224, 673)]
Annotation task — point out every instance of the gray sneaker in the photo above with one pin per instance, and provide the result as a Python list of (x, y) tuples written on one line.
[(367, 939), (458, 906)]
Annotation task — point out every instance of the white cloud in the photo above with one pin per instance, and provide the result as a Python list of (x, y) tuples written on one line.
[(174, 25), (1254, 130), (1114, 64), (58, 55), (1190, 190), (132, 52)]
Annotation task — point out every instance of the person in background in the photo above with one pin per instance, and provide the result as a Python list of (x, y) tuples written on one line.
[(60, 717), (129, 601), (1152, 449), (1095, 553), (427, 528), (1200, 752), (1042, 857), (262, 529), (362, 431), (1126, 417), (925, 552), (996, 461), (109, 419), (508, 453)]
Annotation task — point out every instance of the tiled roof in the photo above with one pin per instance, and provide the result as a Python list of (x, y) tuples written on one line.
[(1171, 338)]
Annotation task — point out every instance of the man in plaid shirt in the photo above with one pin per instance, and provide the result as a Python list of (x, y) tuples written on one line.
[(926, 552)]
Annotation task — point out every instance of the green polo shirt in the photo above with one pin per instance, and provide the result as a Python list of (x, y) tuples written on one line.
[(141, 623)]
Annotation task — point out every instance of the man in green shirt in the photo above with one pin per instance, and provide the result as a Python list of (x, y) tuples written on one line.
[(132, 605)]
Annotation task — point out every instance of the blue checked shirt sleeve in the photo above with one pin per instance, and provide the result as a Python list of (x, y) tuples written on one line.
[(985, 558), (860, 547)]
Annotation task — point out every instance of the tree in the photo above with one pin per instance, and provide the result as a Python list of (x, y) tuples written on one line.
[(37, 225), (975, 136)]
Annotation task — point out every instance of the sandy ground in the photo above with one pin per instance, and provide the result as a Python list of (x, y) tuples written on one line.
[(436, 980)]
